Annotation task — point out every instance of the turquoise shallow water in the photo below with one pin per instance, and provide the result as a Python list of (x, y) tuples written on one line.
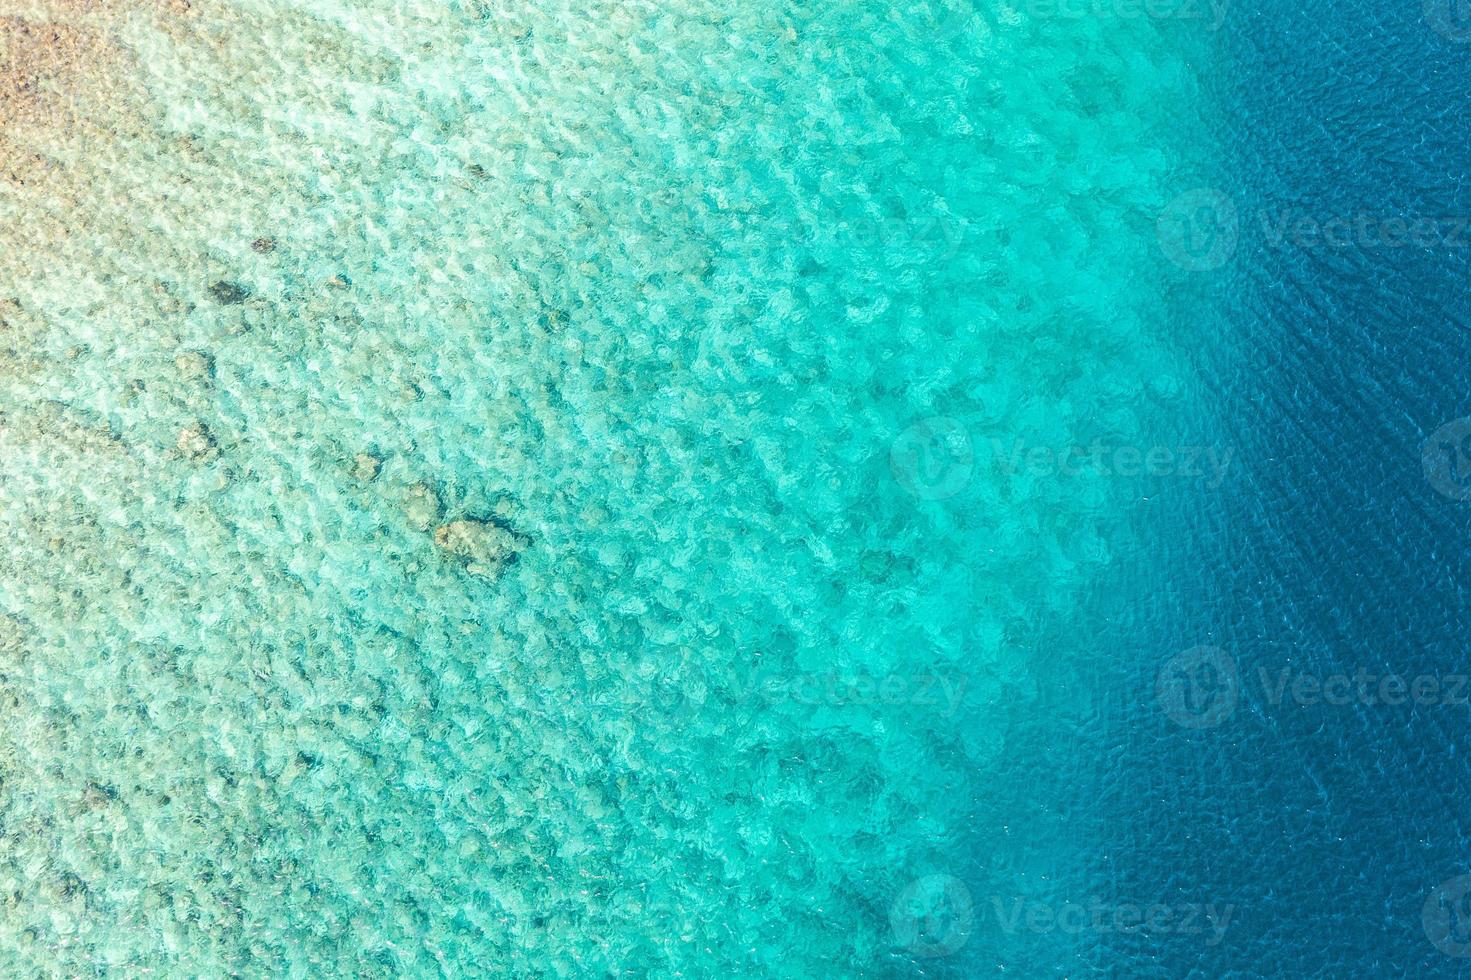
[(514, 489)]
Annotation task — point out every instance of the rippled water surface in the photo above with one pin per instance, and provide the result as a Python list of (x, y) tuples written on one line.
[(757, 489)]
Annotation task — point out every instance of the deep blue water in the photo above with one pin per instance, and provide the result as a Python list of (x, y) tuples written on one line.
[(1327, 551)]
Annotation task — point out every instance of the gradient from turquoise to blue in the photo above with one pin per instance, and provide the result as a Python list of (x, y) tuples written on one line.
[(566, 490)]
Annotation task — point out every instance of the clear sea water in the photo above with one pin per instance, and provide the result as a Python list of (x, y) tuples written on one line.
[(510, 489)]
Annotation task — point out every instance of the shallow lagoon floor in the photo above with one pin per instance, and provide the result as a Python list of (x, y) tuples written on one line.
[(508, 487)]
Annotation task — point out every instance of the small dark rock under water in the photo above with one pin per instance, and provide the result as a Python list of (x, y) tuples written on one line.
[(197, 443), (228, 293)]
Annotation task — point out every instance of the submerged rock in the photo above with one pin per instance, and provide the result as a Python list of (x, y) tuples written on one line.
[(483, 547), (195, 365), (228, 293), (365, 467), (264, 245), (422, 507), (197, 444)]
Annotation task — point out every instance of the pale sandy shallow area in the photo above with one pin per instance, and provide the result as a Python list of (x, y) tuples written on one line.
[(419, 427)]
